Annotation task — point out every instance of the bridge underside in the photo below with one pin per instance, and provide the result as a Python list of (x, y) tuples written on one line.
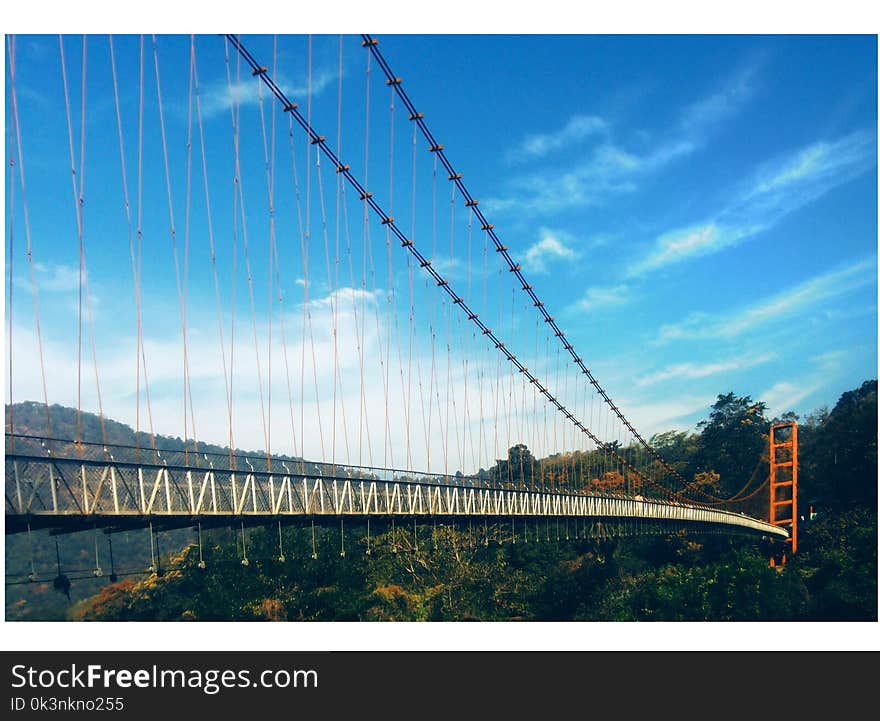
[(571, 527), (73, 494)]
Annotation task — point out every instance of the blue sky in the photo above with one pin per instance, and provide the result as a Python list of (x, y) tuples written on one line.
[(698, 213)]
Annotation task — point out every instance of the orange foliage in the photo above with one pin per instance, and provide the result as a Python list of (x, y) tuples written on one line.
[(273, 609), (390, 592), (611, 482)]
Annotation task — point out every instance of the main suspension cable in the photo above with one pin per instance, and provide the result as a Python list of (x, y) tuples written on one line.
[(371, 44), (392, 228)]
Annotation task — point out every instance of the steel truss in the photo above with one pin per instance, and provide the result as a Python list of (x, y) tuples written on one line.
[(56, 492)]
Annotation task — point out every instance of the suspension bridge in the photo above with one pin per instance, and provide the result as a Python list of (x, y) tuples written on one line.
[(325, 295)]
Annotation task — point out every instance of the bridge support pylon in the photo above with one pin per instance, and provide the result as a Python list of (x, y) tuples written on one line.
[(783, 482)]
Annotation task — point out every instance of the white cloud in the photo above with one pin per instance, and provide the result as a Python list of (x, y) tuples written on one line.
[(784, 396), (220, 96), (56, 278), (788, 183), (610, 169), (602, 297), (830, 360), (774, 191), (723, 103), (680, 245), (704, 370), (440, 433), (777, 307), (666, 414), (343, 297), (540, 145), (677, 245), (552, 246)]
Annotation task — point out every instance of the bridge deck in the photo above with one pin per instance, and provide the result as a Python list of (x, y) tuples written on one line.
[(58, 492)]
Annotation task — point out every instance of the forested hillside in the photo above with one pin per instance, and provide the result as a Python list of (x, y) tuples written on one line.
[(463, 571)]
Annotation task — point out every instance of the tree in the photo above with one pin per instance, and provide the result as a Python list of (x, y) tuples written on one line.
[(707, 482), (732, 440), (517, 470), (611, 482), (839, 455)]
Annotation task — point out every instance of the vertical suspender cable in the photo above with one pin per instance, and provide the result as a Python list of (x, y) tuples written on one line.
[(11, 234), (211, 245), (11, 269), (306, 307), (142, 358), (79, 233), (131, 248), (387, 220), (236, 114), (173, 231), (371, 44), (232, 284), (390, 297), (79, 203)]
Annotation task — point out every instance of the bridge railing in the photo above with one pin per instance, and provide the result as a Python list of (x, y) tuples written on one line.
[(104, 491), (204, 459)]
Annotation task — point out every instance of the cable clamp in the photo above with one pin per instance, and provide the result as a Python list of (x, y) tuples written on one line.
[(319, 139), (262, 70), (386, 221), (371, 41), (290, 107), (435, 148)]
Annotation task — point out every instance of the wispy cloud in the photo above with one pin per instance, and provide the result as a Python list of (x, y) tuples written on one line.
[(787, 183), (723, 103), (830, 360), (785, 395), (690, 371), (346, 295), (220, 96), (774, 190), (55, 278), (552, 246), (609, 168), (668, 414), (676, 245), (602, 297), (303, 414), (782, 305), (540, 145)]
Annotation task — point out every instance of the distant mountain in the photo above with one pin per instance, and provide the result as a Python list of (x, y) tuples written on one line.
[(29, 418)]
